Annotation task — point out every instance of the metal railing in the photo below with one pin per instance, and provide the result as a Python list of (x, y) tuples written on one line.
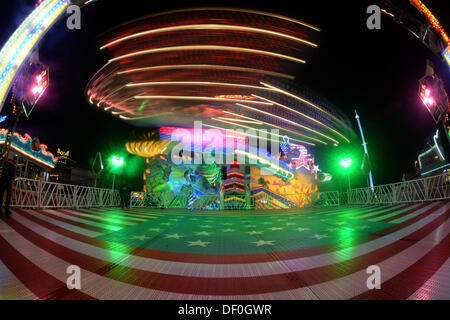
[(435, 188), (29, 193)]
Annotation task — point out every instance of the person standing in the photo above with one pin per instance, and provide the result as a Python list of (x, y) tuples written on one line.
[(6, 179), (124, 192)]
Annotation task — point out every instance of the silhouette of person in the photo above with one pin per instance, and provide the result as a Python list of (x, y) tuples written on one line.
[(6, 179), (124, 195)]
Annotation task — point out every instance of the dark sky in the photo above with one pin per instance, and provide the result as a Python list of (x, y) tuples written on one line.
[(374, 71)]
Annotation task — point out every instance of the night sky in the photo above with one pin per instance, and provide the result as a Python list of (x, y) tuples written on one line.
[(374, 71)]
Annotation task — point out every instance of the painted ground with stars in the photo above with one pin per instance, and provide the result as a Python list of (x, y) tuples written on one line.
[(310, 253), (257, 232)]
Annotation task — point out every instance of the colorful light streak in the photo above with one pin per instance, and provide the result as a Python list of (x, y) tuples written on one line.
[(259, 130), (209, 48), (431, 18), (206, 67), (303, 115), (199, 98), (288, 121), (239, 10), (267, 164), (209, 27), (196, 83), (23, 40), (281, 128), (305, 101)]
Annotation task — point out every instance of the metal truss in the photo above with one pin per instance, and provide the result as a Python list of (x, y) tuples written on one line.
[(435, 188), (29, 193)]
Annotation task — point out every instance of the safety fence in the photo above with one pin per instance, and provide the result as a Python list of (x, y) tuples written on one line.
[(29, 193), (434, 188)]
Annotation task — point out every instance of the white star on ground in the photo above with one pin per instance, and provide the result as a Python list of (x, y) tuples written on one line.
[(362, 227), (290, 224), (320, 236), (332, 229), (263, 242), (174, 236), (227, 224), (228, 230), (199, 243), (254, 232), (154, 229), (301, 229), (142, 238), (275, 228), (203, 233)]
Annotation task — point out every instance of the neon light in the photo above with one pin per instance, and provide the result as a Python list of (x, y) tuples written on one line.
[(22, 144), (209, 27), (431, 18), (442, 167), (20, 44), (435, 147), (208, 47), (435, 137)]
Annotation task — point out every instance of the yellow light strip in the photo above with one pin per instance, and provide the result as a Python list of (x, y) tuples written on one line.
[(303, 115), (208, 47), (233, 10), (196, 83), (209, 27), (259, 130), (288, 121), (251, 135), (200, 99), (305, 101), (266, 162), (278, 127), (207, 66), (240, 120), (145, 117)]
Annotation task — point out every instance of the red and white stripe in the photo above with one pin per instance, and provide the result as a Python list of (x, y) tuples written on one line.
[(37, 246)]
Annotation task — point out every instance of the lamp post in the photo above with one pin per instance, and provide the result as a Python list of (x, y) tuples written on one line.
[(117, 162), (346, 164)]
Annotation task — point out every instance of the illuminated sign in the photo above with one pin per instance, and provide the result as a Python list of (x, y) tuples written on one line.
[(23, 40), (433, 157), (23, 145)]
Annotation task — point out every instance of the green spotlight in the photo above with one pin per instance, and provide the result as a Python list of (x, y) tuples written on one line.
[(346, 162), (117, 161)]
